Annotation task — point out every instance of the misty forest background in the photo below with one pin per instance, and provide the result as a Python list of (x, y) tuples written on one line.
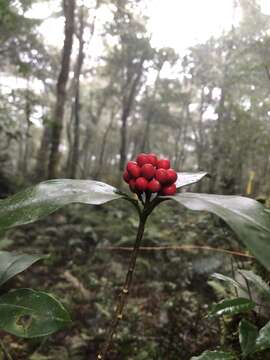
[(81, 110)]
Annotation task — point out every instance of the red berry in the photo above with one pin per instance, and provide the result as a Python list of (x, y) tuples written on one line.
[(152, 159), (133, 169), (168, 190), (154, 186), (163, 164), (172, 176), (132, 184), (141, 184), (142, 159), (161, 176), (148, 171), (126, 176)]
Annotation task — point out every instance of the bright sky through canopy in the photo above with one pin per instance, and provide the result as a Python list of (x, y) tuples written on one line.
[(174, 23), (182, 23)]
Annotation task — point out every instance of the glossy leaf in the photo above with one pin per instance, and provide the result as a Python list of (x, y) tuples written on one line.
[(232, 307), (28, 313), (247, 337), (245, 216), (43, 199), (185, 178), (214, 355), (12, 264), (263, 340), (257, 282)]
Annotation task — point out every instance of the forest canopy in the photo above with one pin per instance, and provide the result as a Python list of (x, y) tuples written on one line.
[(106, 93), (141, 128)]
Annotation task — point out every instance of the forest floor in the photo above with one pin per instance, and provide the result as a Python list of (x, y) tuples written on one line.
[(165, 318)]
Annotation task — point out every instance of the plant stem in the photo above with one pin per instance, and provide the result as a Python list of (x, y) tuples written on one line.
[(5, 350), (126, 288)]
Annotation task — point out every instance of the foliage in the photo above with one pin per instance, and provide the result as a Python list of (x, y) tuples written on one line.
[(245, 216), (36, 202), (232, 307), (25, 312), (13, 264), (206, 108), (29, 313), (39, 201), (252, 340)]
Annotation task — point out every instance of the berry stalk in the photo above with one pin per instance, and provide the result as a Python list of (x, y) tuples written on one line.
[(147, 175), (127, 285)]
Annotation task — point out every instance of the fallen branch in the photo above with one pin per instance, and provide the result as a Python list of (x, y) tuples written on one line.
[(177, 248), (85, 293)]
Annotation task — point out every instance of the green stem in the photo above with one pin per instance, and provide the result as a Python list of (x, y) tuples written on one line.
[(5, 350), (126, 288)]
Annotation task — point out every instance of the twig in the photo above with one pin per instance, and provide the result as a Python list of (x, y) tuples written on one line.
[(177, 248)]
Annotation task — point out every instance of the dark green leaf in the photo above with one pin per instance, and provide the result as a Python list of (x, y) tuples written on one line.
[(245, 216), (185, 178), (214, 355), (263, 340), (28, 313), (232, 307), (12, 264), (43, 199), (247, 337)]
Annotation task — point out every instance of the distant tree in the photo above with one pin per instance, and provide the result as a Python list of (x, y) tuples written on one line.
[(127, 62), (58, 117)]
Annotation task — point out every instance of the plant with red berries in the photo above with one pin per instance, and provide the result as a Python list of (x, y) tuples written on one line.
[(151, 181), (150, 175)]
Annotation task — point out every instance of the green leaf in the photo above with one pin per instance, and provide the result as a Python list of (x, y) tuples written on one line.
[(263, 340), (43, 199), (247, 337), (245, 216), (214, 355), (232, 307), (228, 280), (12, 264), (28, 313), (185, 178), (257, 282)]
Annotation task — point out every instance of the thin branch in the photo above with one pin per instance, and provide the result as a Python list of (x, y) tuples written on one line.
[(178, 248)]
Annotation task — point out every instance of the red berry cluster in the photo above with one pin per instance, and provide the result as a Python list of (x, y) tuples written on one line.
[(148, 173)]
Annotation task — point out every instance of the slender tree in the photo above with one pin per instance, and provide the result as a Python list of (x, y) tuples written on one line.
[(57, 123)]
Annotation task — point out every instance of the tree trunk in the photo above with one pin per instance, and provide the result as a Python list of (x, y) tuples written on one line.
[(127, 108), (145, 146), (76, 128), (27, 135), (57, 126), (217, 146), (103, 146), (181, 154), (42, 156)]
